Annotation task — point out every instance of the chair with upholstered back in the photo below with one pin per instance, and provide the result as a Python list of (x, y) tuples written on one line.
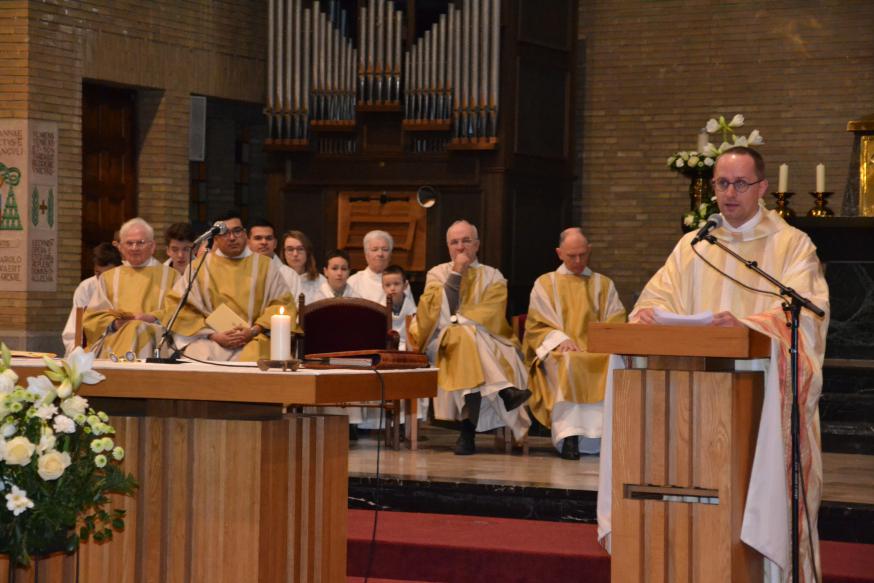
[(341, 324)]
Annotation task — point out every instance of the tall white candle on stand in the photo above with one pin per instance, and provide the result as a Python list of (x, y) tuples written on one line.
[(280, 336), (820, 177), (784, 178), (702, 140)]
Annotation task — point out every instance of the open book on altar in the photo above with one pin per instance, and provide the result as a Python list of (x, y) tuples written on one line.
[(666, 318), (376, 359)]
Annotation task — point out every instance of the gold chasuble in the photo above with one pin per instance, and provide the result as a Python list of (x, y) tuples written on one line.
[(686, 285), (251, 285), (477, 352), (562, 306), (128, 291)]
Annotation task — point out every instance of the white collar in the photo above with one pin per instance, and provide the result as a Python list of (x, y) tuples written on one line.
[(563, 270), (148, 263), (246, 252), (747, 226)]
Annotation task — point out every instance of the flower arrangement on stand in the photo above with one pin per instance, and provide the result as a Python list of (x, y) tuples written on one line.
[(58, 461), (698, 165)]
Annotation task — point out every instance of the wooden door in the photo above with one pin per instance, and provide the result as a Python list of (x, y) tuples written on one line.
[(108, 165)]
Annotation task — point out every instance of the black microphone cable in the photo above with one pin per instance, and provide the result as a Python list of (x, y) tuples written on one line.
[(377, 487)]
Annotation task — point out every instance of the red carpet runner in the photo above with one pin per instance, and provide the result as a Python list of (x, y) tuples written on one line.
[(414, 547)]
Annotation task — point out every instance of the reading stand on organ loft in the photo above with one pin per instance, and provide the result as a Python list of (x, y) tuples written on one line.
[(684, 435)]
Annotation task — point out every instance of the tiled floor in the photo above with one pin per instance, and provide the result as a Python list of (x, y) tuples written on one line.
[(847, 478)]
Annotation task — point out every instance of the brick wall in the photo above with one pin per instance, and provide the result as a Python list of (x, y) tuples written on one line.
[(167, 49), (657, 70)]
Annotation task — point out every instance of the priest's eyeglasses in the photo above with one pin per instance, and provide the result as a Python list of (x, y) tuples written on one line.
[(235, 232), (467, 241), (135, 244), (740, 185)]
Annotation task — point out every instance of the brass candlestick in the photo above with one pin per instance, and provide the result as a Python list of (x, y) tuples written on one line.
[(783, 204), (820, 208)]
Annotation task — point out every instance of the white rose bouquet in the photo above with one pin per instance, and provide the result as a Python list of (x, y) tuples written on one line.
[(697, 217), (692, 163), (58, 461)]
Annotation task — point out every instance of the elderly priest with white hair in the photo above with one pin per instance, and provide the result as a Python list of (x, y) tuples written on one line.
[(688, 285), (462, 325), (232, 299), (125, 315), (367, 283), (567, 381)]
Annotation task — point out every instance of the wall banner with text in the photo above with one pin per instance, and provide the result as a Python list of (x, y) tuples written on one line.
[(28, 205)]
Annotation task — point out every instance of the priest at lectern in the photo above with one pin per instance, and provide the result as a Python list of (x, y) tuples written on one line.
[(687, 285)]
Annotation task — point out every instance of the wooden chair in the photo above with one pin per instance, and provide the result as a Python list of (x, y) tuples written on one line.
[(341, 324), (503, 436), (79, 337)]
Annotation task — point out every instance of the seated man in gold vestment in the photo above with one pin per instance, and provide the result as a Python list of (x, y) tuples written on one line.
[(125, 314), (567, 381), (235, 290), (462, 326)]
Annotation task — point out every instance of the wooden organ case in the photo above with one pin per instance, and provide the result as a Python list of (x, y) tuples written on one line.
[(368, 100)]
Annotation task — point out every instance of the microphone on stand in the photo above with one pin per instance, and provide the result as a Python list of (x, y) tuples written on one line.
[(218, 228), (714, 221)]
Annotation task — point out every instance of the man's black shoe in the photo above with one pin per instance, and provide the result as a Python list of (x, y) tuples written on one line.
[(513, 397), (570, 449), (466, 444)]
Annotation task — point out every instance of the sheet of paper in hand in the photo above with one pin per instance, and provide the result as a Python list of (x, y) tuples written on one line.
[(671, 319)]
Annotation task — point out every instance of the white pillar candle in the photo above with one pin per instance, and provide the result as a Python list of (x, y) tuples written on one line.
[(702, 140), (280, 336), (784, 178), (820, 178)]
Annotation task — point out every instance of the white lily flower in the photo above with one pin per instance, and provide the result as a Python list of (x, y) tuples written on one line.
[(65, 389), (755, 138), (17, 501), (712, 126), (79, 367), (723, 147), (740, 141), (711, 150), (737, 121), (8, 378), (42, 387)]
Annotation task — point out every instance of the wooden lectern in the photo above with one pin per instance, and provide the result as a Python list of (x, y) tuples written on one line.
[(684, 435)]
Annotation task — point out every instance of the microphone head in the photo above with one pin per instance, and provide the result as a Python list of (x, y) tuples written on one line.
[(716, 219), (221, 228)]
